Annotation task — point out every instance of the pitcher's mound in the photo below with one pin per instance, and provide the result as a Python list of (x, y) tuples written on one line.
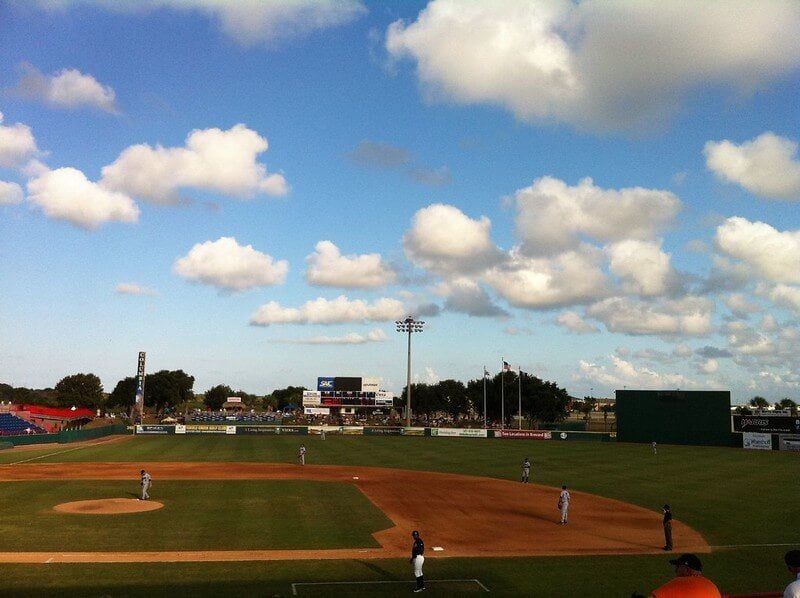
[(108, 506)]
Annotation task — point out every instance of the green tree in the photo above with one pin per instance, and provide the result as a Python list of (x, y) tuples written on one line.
[(166, 389), (423, 400), (217, 395), (451, 396), (124, 394), (606, 409), (759, 403), (83, 390), (786, 404), (589, 403), (291, 395)]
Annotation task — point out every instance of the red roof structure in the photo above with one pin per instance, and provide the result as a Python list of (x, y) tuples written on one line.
[(55, 412)]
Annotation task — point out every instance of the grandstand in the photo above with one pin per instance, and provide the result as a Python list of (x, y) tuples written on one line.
[(11, 425)]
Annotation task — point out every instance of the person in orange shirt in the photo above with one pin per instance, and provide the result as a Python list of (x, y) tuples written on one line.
[(689, 581)]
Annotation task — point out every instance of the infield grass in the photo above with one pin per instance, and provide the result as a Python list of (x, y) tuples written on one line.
[(733, 497)]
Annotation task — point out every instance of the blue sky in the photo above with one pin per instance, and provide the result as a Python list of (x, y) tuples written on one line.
[(603, 194)]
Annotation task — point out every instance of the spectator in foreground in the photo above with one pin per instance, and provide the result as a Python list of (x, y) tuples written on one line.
[(792, 560), (689, 581)]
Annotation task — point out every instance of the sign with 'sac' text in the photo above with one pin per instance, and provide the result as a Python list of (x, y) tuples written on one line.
[(766, 424)]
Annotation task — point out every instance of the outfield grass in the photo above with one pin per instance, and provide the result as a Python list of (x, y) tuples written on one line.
[(734, 497)]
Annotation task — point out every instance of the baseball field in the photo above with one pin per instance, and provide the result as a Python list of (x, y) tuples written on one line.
[(237, 516)]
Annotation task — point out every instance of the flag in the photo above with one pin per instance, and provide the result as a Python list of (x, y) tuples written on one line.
[(486, 373), (506, 367)]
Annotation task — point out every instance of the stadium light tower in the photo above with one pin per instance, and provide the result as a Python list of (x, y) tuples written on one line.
[(409, 325)]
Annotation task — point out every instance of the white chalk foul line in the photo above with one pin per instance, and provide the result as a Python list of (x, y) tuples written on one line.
[(77, 448), (295, 586)]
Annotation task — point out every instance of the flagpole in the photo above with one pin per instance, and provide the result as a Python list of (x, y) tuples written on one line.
[(502, 393), (519, 378), (484, 397)]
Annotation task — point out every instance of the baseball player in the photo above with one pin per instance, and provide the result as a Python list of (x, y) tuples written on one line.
[(655, 448), (667, 522), (526, 470), (147, 481), (301, 454), (563, 504), (417, 550)]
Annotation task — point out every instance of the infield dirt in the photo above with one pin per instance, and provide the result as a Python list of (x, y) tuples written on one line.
[(467, 516)]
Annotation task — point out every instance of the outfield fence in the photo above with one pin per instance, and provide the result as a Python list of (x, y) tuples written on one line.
[(66, 436)]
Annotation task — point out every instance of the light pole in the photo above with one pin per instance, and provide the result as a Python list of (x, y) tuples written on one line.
[(409, 325)]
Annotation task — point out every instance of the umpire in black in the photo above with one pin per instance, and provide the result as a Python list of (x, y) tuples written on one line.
[(417, 550), (667, 528)]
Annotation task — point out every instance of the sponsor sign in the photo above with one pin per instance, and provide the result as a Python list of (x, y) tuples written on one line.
[(316, 410), (325, 384), (205, 429), (351, 430), (779, 424), (459, 432), (230, 429), (789, 443), (384, 402), (154, 430), (383, 431), (413, 431), (755, 440), (180, 429), (528, 434), (370, 384), (234, 399), (140, 384)]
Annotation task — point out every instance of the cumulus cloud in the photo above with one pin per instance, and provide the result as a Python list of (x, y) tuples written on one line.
[(766, 166), (783, 295), (690, 316), (771, 254), (131, 288), (709, 366), (603, 65), (552, 216), (212, 160), (745, 340), (642, 267), (226, 264), (740, 305), (709, 352), (325, 311), (445, 240), (10, 193), (66, 194), (247, 21), (466, 296), (385, 156), (17, 145), (575, 323), (328, 267), (69, 88), (571, 278), (353, 338), (623, 373)]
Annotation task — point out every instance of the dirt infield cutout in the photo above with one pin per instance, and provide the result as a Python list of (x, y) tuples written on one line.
[(108, 506)]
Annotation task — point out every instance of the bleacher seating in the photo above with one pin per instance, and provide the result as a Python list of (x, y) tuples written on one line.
[(11, 425)]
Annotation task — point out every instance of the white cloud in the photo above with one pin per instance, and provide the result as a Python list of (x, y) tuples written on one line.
[(66, 194), (782, 294), (445, 240), (467, 296), (353, 338), (131, 288), (605, 65), (745, 340), (248, 21), (766, 166), (709, 366), (624, 373), (643, 268), (226, 264), (686, 316), (574, 322), (570, 278), (17, 145), (10, 193), (328, 267), (69, 88), (324, 311), (771, 254), (553, 216), (740, 306), (212, 160)]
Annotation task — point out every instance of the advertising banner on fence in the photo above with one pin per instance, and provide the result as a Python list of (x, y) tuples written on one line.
[(206, 429), (154, 429), (383, 431), (459, 432), (778, 424), (180, 429), (316, 410), (413, 431), (754, 440), (351, 430), (292, 430), (789, 443), (529, 434)]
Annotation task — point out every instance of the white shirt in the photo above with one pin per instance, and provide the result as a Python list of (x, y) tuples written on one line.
[(564, 497), (793, 589)]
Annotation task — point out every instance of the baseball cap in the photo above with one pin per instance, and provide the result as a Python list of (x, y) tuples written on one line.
[(689, 560), (792, 558)]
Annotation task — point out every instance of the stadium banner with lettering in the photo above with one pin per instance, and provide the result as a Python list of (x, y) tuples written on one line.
[(383, 431), (350, 430), (459, 432), (180, 428), (778, 424), (206, 429), (316, 410), (140, 379), (527, 434), (415, 432), (290, 430), (789, 443), (150, 429), (757, 441)]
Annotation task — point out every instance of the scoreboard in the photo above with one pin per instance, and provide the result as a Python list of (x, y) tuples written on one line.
[(347, 392)]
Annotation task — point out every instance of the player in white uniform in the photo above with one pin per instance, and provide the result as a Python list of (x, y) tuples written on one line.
[(146, 483), (526, 470), (563, 504), (301, 454)]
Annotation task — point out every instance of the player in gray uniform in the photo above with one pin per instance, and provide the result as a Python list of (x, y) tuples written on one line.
[(417, 550), (563, 504), (301, 454), (147, 481), (526, 470)]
